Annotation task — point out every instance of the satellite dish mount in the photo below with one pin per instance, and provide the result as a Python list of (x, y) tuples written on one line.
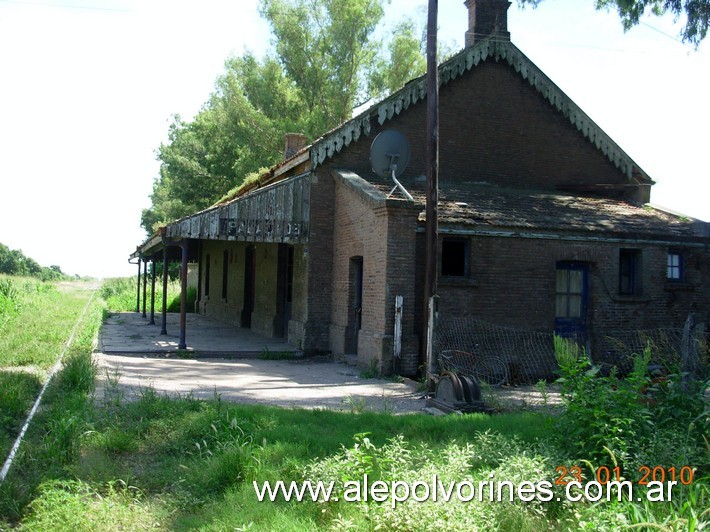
[(389, 156)]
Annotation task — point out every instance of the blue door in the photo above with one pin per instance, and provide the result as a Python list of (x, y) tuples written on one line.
[(571, 298)]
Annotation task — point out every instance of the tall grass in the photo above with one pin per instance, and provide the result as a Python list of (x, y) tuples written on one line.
[(35, 334), (54, 438), (121, 295)]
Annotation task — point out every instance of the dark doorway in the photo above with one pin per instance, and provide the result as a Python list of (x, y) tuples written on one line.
[(355, 283), (284, 287), (571, 297), (249, 285)]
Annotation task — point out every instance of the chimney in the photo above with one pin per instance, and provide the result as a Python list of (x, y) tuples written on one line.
[(486, 18), (295, 142)]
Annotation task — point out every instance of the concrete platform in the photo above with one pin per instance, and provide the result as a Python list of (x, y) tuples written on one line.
[(301, 383), (130, 333)]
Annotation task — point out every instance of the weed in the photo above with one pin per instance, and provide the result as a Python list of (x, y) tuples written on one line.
[(120, 295), (79, 372), (489, 397), (372, 372), (387, 407), (357, 406), (113, 394), (541, 387), (267, 354), (186, 354), (18, 390), (44, 318)]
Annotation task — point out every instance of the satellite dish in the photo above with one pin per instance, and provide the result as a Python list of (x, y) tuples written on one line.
[(389, 153)]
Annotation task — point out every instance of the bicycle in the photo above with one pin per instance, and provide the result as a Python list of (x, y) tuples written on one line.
[(484, 368)]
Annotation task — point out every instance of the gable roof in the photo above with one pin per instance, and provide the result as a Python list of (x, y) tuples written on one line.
[(491, 49)]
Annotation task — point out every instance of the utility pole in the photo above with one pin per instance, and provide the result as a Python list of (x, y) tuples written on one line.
[(432, 180)]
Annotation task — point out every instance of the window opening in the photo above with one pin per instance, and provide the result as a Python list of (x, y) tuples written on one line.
[(453, 258), (629, 271)]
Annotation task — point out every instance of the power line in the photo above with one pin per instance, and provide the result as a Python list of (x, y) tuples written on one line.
[(65, 6), (665, 34)]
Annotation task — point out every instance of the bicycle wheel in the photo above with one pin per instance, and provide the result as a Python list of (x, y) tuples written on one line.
[(491, 370)]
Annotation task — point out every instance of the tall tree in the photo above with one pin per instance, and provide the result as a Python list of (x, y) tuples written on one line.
[(403, 61), (326, 48), (325, 62), (696, 13)]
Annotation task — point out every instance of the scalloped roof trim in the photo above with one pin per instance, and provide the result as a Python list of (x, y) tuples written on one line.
[(333, 142)]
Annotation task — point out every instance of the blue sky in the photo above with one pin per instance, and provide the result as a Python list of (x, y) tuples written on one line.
[(87, 89)]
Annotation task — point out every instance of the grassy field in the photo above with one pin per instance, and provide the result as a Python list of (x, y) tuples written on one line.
[(182, 464), (37, 321), (35, 332)]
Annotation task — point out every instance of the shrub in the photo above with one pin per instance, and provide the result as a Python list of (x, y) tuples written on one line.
[(634, 420)]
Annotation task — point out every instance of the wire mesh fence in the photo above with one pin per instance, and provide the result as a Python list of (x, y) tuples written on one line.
[(468, 345), (671, 348), (528, 355)]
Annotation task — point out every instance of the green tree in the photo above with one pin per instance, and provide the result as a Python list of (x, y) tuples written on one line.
[(325, 47), (325, 62), (14, 262), (696, 13), (405, 59), (238, 130)]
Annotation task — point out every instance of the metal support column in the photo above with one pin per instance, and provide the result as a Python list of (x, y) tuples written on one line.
[(183, 296), (199, 274), (145, 285), (138, 285), (164, 328), (152, 291)]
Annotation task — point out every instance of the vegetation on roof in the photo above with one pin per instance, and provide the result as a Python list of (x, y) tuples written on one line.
[(249, 179)]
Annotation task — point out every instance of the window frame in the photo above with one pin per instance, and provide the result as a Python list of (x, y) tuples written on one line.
[(679, 267)]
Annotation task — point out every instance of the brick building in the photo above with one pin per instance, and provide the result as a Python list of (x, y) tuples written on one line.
[(544, 222)]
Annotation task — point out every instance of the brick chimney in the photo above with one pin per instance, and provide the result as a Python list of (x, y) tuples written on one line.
[(485, 18), (295, 142)]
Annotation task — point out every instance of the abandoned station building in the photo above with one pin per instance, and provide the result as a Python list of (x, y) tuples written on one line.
[(544, 222)]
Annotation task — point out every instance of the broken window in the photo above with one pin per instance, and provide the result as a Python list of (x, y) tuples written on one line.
[(629, 271), (454, 254)]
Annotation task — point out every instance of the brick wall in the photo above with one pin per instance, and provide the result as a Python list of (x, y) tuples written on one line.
[(382, 235), (512, 282), (319, 258), (494, 128)]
